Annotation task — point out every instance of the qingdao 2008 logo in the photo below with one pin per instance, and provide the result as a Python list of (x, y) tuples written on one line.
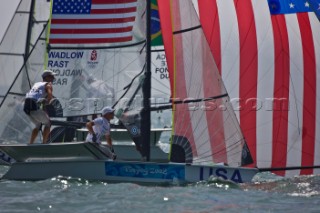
[(93, 59)]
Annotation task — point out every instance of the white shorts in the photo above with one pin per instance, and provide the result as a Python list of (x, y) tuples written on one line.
[(39, 117)]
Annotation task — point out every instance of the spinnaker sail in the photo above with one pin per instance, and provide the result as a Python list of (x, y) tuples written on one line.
[(203, 120), (268, 54)]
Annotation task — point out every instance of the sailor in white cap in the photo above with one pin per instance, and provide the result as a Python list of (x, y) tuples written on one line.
[(40, 95), (101, 127)]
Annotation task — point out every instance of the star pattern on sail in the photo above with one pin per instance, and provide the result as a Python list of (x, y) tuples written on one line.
[(289, 6)]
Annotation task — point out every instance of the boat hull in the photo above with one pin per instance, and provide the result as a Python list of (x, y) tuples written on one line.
[(88, 161), (116, 171)]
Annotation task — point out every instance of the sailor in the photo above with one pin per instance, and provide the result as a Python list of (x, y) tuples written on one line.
[(101, 126), (34, 105)]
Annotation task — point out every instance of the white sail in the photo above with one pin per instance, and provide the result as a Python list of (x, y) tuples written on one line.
[(19, 37)]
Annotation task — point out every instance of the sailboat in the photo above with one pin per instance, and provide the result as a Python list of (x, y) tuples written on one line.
[(15, 52), (206, 137)]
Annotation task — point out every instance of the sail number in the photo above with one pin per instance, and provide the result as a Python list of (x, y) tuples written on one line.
[(223, 172), (236, 176)]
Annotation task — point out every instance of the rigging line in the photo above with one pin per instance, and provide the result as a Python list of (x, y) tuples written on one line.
[(133, 96), (128, 86), (200, 99), (288, 168), (157, 50), (49, 47), (11, 54), (40, 21), (187, 29), (5, 97), (169, 105), (17, 94)]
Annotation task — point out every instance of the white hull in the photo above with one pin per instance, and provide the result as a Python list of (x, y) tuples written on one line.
[(117, 171), (86, 161)]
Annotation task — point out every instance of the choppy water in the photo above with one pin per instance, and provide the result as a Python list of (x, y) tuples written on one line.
[(267, 194)]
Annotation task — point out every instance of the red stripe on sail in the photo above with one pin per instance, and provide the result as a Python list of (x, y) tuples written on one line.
[(89, 41), (112, 1), (166, 30), (309, 94), (114, 11), (93, 21), (209, 18), (183, 124), (281, 93), (210, 23), (91, 31), (248, 72)]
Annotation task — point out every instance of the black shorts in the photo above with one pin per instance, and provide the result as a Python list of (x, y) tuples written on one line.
[(30, 105)]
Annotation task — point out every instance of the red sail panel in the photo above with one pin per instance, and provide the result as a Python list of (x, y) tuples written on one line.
[(309, 93), (248, 70), (211, 27), (166, 30), (281, 92)]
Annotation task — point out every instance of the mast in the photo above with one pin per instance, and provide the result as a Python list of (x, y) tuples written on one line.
[(146, 90), (30, 23)]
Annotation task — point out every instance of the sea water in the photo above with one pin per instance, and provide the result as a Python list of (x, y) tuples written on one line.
[(267, 193)]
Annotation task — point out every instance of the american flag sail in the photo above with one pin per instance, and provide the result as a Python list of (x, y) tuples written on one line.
[(268, 53), (92, 21)]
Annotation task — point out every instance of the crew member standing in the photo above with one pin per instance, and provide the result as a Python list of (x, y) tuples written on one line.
[(34, 105)]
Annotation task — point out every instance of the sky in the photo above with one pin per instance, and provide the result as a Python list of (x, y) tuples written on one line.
[(7, 9)]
